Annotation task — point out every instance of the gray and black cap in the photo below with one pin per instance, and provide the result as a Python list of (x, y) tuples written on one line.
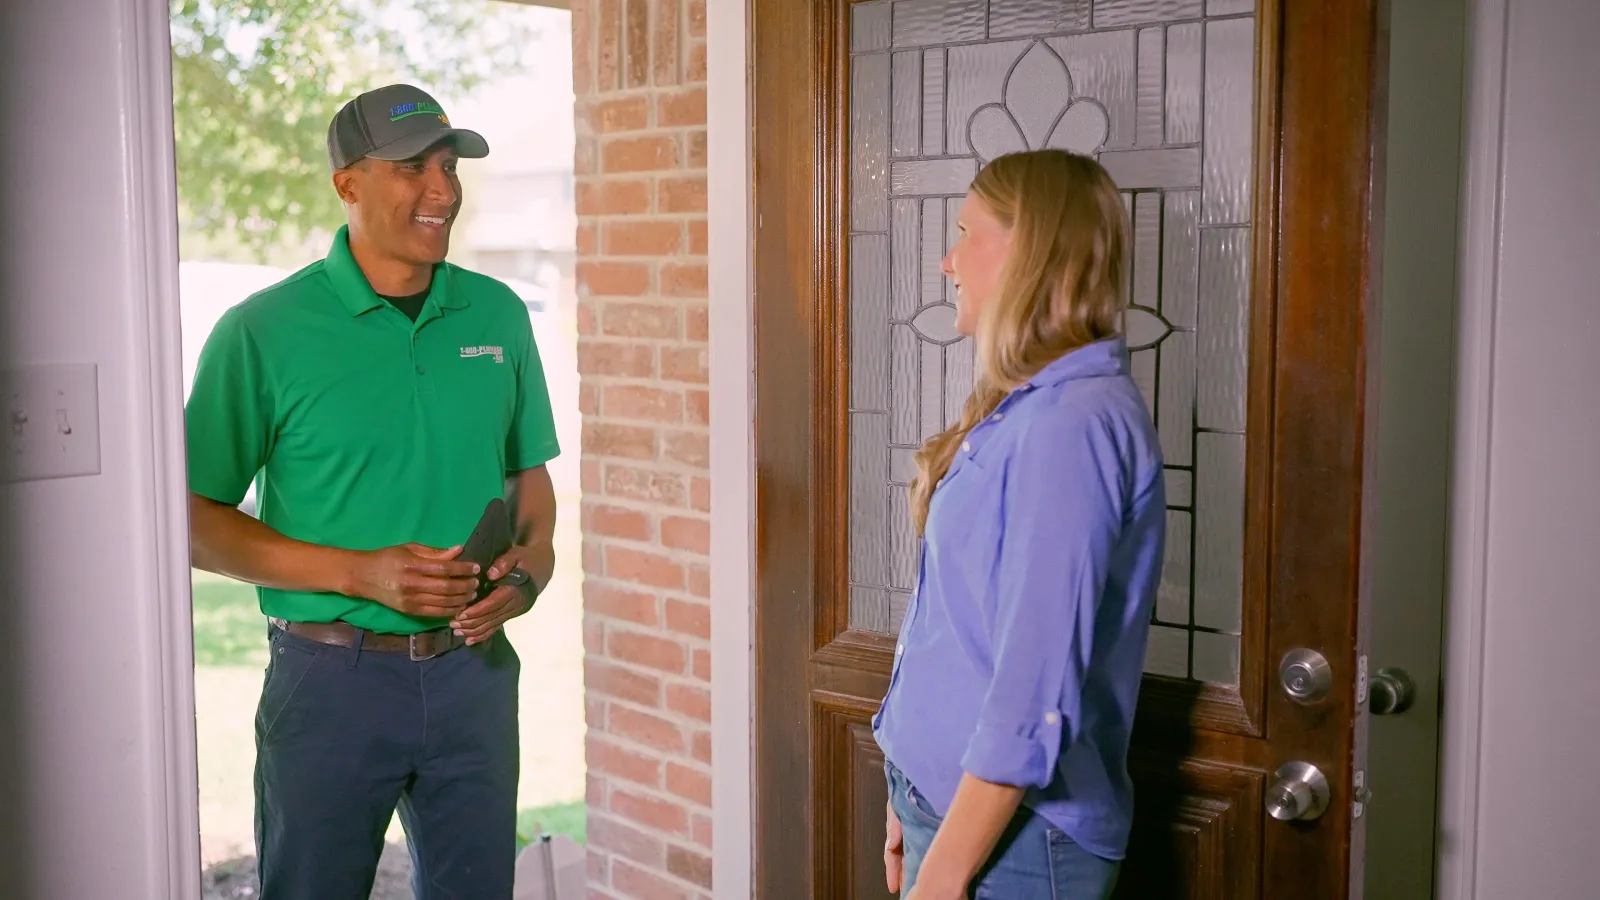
[(394, 123)]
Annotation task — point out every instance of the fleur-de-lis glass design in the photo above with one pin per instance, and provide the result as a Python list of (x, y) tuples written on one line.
[(1039, 111)]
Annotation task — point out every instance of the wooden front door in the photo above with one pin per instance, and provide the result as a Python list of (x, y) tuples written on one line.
[(1243, 135)]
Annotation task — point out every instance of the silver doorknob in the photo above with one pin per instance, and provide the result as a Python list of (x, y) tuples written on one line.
[(1392, 692), (1305, 675), (1298, 793)]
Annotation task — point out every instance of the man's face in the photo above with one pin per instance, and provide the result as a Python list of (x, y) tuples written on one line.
[(404, 210)]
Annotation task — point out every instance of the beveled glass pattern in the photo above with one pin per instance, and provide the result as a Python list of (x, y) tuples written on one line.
[(1161, 92)]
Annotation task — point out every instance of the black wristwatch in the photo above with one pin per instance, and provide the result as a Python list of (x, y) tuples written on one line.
[(520, 578)]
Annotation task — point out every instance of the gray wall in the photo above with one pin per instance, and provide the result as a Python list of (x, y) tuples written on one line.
[(98, 774), (1523, 721), (1415, 369)]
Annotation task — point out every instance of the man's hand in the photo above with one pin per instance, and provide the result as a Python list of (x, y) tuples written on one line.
[(480, 621), (894, 853), (416, 580)]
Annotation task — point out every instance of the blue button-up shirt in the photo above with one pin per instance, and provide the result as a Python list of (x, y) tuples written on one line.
[(1021, 653)]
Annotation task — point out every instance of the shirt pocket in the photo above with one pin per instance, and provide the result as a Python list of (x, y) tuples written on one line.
[(963, 530)]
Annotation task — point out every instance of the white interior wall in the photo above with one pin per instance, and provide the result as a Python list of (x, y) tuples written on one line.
[(1520, 729), (97, 728)]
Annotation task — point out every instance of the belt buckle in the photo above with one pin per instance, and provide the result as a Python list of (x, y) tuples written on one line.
[(415, 656)]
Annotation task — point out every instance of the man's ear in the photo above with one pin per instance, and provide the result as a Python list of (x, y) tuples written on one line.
[(345, 181)]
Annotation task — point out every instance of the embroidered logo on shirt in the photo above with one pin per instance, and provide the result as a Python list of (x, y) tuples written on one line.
[(499, 353)]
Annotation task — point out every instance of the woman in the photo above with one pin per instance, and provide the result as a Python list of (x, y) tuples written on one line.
[(1006, 725)]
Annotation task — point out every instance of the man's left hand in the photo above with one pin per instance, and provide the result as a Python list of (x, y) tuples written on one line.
[(478, 622)]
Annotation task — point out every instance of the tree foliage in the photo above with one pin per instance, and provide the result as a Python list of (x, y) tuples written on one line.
[(255, 83)]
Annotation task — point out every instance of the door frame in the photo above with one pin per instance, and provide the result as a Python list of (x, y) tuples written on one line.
[(172, 835), (1477, 277), (731, 349), (170, 705)]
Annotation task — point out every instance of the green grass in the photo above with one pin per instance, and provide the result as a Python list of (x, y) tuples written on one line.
[(229, 629), (560, 818)]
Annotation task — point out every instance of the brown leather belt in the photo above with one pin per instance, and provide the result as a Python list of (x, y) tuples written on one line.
[(425, 645)]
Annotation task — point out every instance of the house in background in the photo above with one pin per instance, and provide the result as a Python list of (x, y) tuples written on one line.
[(1391, 222)]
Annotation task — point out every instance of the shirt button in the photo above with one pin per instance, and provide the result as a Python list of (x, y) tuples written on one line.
[(1051, 718), (900, 649), (966, 446), (999, 416), (422, 370)]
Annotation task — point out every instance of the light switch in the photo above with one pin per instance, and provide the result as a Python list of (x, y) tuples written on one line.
[(52, 416)]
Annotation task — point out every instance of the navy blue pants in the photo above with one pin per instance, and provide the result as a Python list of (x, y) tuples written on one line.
[(343, 737)]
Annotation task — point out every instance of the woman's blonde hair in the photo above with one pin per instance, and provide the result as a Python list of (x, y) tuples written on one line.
[(1059, 288)]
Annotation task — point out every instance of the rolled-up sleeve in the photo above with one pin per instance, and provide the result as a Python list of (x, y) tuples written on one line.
[(1063, 499)]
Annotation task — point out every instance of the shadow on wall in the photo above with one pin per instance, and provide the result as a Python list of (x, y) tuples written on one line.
[(16, 853)]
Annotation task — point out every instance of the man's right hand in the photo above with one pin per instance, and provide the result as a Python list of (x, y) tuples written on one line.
[(416, 580)]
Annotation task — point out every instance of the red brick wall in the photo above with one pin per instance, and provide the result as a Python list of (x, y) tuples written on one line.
[(639, 76)]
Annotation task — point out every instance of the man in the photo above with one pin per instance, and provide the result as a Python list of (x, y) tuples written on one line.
[(384, 397)]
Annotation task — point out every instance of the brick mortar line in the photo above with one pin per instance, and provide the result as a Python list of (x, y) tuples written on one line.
[(663, 712), (647, 507), (641, 669), (690, 599), (654, 465), (662, 631), (656, 631), (679, 841), (648, 546), (637, 461), (638, 381), (614, 419), (664, 756), (697, 560), (628, 743)]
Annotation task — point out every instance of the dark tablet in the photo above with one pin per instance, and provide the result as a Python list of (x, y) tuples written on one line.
[(488, 541)]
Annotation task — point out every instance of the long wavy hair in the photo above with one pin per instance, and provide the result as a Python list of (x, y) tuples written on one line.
[(1060, 287)]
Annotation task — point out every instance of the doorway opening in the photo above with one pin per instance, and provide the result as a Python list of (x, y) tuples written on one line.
[(254, 89)]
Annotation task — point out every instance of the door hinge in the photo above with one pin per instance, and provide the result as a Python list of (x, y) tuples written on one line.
[(1361, 683)]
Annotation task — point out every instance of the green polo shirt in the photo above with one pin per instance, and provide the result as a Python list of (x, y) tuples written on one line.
[(361, 428)]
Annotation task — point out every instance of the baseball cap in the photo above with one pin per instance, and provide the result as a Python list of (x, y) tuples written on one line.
[(394, 123)]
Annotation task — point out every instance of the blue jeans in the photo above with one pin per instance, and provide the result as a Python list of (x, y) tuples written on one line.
[(1033, 861), (344, 736)]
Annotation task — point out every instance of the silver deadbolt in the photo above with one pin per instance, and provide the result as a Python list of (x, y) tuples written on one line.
[(1306, 675), (1299, 792), (1392, 692)]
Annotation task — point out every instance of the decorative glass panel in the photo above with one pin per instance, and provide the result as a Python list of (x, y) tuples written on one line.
[(1161, 92), (1230, 67), (869, 26), (1026, 18), (1168, 653), (1108, 13), (1229, 7), (1151, 102)]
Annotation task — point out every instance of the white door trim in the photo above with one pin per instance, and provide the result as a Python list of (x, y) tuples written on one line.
[(732, 355), (150, 220), (1479, 256)]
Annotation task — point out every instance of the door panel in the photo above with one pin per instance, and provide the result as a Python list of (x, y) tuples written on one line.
[(1248, 186)]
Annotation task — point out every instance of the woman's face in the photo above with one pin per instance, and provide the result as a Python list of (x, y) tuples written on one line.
[(974, 262)]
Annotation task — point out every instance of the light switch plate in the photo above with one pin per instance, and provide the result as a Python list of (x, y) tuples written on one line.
[(51, 426)]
